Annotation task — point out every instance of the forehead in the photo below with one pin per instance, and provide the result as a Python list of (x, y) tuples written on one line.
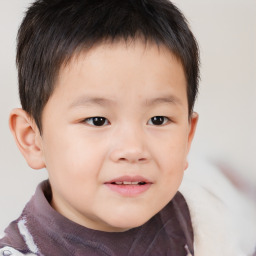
[(122, 67), (122, 49)]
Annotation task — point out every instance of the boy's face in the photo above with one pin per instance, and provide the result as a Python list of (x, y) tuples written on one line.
[(116, 135)]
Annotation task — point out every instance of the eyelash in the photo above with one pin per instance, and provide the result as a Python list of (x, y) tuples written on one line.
[(100, 121), (163, 120)]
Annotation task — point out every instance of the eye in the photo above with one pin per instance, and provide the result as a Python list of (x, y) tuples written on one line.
[(97, 121), (158, 120)]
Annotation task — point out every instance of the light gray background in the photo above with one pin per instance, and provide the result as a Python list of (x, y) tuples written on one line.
[(226, 31)]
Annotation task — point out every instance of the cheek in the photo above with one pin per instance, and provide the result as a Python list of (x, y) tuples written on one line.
[(69, 155), (171, 151), (172, 161)]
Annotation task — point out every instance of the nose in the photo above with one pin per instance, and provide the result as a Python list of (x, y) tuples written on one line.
[(130, 146)]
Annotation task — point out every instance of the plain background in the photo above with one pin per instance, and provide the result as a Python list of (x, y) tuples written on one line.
[(226, 32)]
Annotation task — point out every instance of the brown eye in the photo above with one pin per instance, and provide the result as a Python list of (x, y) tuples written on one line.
[(97, 121), (158, 120)]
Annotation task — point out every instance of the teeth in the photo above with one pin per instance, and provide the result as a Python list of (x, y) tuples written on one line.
[(127, 182)]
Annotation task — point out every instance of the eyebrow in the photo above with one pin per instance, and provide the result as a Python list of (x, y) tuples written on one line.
[(87, 101), (170, 99)]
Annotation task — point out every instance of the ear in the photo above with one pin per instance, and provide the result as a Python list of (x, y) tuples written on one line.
[(27, 137), (192, 129)]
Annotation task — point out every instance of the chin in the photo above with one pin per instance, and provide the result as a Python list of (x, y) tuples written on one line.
[(124, 223)]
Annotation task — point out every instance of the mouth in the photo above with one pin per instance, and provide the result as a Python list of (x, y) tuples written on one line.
[(129, 186), (140, 183), (129, 180)]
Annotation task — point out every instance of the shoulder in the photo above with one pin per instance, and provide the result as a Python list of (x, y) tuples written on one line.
[(223, 218), (17, 239), (19, 236), (9, 251)]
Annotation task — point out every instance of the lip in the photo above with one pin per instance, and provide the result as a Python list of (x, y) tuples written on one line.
[(129, 190), (129, 178)]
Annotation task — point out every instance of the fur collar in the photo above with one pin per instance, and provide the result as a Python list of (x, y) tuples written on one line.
[(223, 219)]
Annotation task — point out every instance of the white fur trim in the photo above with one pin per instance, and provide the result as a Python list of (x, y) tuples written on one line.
[(9, 251), (223, 219), (27, 236)]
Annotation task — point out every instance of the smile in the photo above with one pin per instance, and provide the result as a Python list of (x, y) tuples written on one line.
[(129, 183), (129, 186)]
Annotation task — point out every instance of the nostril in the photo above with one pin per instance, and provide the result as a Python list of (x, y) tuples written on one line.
[(129, 155), (133, 159)]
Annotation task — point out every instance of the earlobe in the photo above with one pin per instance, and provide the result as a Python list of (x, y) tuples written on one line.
[(186, 165), (192, 130), (27, 137)]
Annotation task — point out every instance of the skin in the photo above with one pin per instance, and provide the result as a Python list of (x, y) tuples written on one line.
[(128, 85)]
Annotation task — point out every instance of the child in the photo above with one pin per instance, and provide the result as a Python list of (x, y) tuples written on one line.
[(107, 89)]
